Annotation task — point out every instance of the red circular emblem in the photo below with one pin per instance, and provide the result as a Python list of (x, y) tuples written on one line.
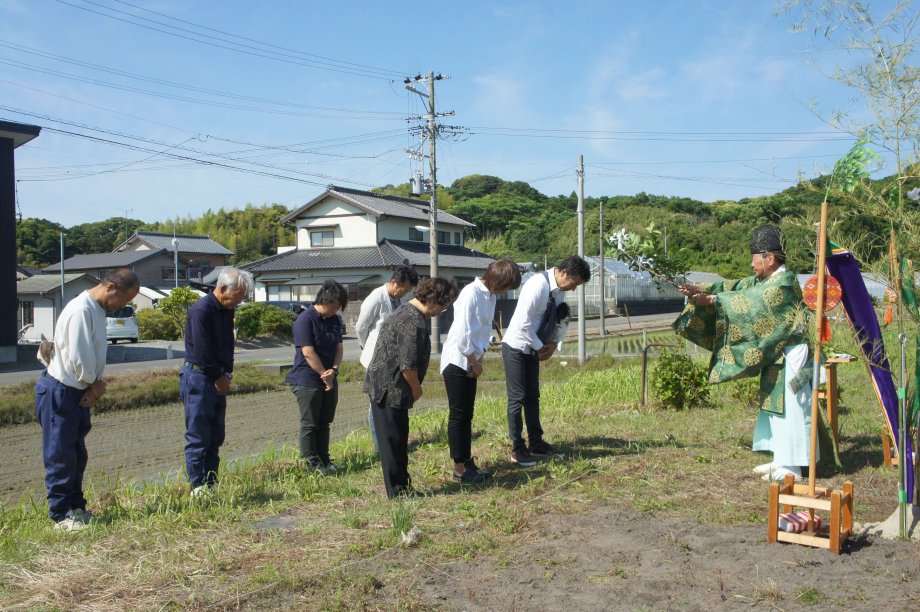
[(832, 292)]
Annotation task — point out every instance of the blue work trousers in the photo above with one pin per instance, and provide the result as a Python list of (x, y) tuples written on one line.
[(64, 426), (205, 421)]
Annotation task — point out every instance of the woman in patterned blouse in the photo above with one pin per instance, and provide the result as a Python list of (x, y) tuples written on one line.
[(396, 372)]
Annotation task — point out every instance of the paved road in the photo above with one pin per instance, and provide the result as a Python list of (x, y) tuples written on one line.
[(153, 355)]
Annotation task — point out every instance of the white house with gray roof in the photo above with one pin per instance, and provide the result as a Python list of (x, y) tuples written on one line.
[(357, 237), (39, 302)]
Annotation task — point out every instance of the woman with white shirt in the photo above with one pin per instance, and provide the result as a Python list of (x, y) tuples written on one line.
[(461, 360)]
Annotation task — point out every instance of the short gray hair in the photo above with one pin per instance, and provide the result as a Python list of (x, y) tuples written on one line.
[(234, 279)]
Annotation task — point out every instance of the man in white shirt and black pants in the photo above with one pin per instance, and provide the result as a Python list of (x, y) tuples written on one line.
[(70, 386), (523, 350), (375, 309)]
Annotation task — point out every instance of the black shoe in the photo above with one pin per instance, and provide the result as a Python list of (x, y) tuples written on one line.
[(522, 457), (543, 448), (472, 474)]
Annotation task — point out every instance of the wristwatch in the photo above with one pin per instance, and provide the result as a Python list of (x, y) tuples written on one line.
[(335, 369)]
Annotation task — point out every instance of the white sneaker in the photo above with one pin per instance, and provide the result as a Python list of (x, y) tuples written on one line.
[(72, 521), (779, 473), (202, 491), (765, 468)]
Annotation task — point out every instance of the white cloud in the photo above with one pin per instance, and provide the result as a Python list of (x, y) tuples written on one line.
[(500, 96), (648, 85)]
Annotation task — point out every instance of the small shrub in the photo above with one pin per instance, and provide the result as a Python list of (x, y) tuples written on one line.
[(745, 392), (276, 322), (248, 320), (679, 381), (154, 324), (258, 319)]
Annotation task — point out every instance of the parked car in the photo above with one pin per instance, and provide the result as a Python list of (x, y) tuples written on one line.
[(121, 325)]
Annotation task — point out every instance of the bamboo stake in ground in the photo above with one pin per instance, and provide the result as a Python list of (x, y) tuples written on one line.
[(819, 327)]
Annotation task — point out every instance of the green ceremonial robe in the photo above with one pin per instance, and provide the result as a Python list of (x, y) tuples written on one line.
[(751, 323)]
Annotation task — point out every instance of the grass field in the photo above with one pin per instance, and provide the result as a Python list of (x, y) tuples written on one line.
[(273, 532)]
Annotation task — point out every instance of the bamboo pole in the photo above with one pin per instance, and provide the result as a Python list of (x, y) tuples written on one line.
[(819, 327)]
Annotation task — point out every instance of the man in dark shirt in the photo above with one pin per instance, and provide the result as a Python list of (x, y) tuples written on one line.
[(318, 353), (205, 378)]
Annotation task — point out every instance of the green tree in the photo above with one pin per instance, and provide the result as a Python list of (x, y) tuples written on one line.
[(176, 305), (38, 242)]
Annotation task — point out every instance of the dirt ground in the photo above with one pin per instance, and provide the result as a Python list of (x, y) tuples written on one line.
[(612, 559)]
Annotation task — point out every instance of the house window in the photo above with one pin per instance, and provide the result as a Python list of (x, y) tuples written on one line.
[(322, 238), (279, 293), (458, 238), (26, 313), (443, 237), (304, 293), (169, 274), (416, 234)]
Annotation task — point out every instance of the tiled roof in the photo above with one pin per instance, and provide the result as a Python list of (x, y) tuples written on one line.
[(388, 253), (381, 206), (449, 256), (318, 259), (188, 243), (42, 283), (95, 261)]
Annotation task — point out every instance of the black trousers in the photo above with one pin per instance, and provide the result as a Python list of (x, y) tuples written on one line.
[(317, 411), (392, 426), (461, 398), (522, 382)]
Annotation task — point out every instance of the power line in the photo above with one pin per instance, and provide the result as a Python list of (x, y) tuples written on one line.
[(173, 84), (266, 54), (663, 136), (172, 96), (265, 44), (183, 157)]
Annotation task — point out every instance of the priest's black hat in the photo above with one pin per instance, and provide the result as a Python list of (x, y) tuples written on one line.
[(768, 239)]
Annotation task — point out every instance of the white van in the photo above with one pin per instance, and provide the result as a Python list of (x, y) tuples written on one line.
[(121, 325)]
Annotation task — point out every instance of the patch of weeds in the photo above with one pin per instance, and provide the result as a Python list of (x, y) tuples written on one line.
[(402, 514), (652, 504), (353, 520), (809, 596), (507, 520), (617, 572), (598, 580), (767, 591), (703, 459)]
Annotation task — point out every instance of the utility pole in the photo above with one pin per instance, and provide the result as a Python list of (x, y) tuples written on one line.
[(431, 130), (581, 253), (175, 246), (126, 211), (62, 278), (433, 206), (603, 271)]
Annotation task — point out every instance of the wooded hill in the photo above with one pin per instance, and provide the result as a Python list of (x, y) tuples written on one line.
[(515, 220)]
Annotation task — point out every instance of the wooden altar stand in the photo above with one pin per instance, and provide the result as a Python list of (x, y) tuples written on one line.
[(787, 496), (831, 394)]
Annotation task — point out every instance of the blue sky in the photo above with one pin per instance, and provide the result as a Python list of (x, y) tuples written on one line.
[(700, 99)]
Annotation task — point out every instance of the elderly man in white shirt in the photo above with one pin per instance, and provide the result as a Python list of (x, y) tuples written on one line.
[(375, 309), (461, 360), (523, 350), (70, 386)]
